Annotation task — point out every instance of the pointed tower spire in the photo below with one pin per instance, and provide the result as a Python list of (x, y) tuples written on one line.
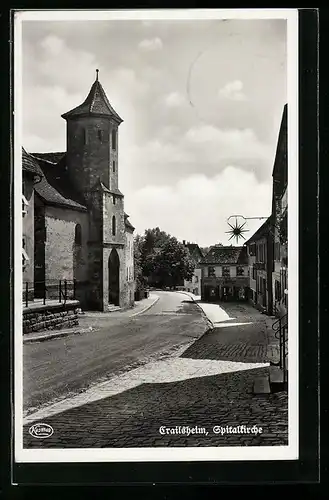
[(96, 103)]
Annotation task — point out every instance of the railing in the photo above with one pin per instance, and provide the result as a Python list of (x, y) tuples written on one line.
[(54, 290), (280, 327)]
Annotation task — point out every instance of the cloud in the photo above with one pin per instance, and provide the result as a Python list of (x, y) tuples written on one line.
[(174, 100), (233, 91), (197, 208), (53, 44), (151, 44), (232, 144)]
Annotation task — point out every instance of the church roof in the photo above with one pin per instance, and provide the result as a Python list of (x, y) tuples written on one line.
[(95, 103), (30, 165), (226, 255), (99, 186), (55, 187), (51, 157), (127, 223)]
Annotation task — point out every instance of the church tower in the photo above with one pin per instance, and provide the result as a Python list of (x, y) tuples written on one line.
[(92, 164), (92, 141)]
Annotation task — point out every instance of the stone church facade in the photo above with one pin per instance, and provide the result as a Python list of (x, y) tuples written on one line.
[(81, 232)]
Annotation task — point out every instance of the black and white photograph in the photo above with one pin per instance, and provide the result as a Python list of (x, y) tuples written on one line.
[(155, 154)]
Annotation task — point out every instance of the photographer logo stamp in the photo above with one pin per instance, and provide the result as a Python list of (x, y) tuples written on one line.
[(41, 431)]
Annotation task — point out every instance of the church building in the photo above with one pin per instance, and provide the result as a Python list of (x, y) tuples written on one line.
[(77, 228)]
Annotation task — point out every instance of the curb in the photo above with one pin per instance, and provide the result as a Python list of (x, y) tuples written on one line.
[(202, 311), (146, 308), (50, 336)]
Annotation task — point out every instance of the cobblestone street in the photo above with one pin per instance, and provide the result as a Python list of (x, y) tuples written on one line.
[(133, 417)]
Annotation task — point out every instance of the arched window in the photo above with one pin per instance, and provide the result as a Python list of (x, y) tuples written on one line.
[(113, 225), (77, 235), (114, 138)]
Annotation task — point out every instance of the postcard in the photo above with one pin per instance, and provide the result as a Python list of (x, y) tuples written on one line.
[(155, 152)]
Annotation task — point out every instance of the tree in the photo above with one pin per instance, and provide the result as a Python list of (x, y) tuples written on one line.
[(161, 259), (172, 264)]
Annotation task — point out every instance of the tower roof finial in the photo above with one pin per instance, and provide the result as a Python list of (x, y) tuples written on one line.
[(97, 71)]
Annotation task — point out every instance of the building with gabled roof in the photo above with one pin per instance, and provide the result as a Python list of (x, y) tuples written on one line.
[(224, 274), (80, 231), (260, 253), (194, 284)]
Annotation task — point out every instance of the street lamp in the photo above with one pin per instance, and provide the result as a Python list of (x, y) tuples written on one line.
[(237, 230)]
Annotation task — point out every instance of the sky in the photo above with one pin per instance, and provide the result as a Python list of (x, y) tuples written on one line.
[(201, 101)]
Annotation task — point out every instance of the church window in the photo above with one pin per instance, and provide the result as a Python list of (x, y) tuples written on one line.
[(114, 139), (100, 135), (114, 200), (114, 166), (77, 236), (113, 225)]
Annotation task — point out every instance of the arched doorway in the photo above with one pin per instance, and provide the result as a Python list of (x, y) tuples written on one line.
[(114, 273)]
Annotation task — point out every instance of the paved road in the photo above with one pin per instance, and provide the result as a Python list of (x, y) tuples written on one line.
[(61, 367)]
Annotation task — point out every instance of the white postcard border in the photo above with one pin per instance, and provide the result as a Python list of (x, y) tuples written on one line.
[(289, 452)]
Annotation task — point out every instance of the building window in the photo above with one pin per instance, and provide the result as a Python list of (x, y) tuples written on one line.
[(225, 271), (85, 136), (252, 250), (113, 166), (25, 257), (113, 225), (100, 135), (77, 235), (114, 200), (254, 274), (114, 139), (25, 204), (277, 251), (196, 279), (240, 271), (211, 272)]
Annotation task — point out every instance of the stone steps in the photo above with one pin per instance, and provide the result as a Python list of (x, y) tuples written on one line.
[(113, 308), (272, 382)]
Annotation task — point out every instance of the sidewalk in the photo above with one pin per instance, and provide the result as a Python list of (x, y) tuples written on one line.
[(89, 321)]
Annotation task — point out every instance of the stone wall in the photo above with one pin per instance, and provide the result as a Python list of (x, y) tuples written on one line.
[(50, 317), (64, 259)]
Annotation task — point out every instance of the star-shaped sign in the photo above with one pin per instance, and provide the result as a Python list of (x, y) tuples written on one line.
[(237, 230)]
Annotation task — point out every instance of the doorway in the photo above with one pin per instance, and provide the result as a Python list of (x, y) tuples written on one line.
[(114, 278)]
